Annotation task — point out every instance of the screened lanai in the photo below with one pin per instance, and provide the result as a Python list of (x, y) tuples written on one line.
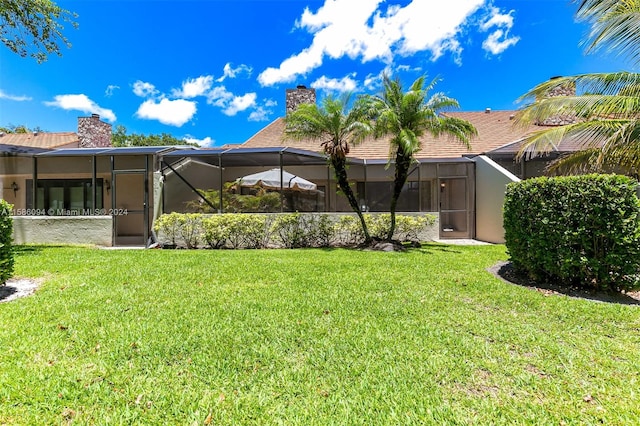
[(81, 185), (206, 180), (126, 188)]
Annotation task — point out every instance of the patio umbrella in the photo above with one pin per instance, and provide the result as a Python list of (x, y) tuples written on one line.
[(271, 179)]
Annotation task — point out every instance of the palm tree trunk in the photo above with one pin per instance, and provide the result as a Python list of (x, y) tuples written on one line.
[(403, 162), (340, 168)]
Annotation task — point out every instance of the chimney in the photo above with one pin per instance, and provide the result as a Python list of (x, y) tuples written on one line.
[(299, 95), (560, 90), (93, 133)]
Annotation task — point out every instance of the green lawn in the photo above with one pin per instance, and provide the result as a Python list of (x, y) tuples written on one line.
[(309, 337)]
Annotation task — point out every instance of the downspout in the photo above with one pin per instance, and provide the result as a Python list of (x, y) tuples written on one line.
[(113, 200), (145, 207), (364, 195), (34, 190), (328, 191), (94, 187), (419, 186), (221, 207), (281, 185)]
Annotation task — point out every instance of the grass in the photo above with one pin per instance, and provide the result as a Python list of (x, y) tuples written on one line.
[(310, 337)]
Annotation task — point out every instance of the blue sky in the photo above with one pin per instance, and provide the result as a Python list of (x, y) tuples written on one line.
[(216, 71)]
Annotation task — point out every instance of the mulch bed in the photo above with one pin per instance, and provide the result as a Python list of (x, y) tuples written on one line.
[(506, 272)]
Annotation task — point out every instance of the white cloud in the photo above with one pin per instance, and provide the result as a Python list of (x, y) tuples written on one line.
[(240, 103), (359, 29), (206, 142), (110, 89), (260, 114), (230, 103), (230, 72), (499, 40), (82, 103), (4, 95), (345, 84), (172, 112), (144, 90), (219, 97), (194, 87)]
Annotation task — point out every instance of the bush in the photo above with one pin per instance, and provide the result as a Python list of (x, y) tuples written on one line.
[(189, 228), (235, 230), (290, 230), (215, 230), (169, 226), (578, 230), (6, 248)]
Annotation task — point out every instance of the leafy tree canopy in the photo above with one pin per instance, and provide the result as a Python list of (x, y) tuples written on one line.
[(120, 138), (34, 27), (11, 128)]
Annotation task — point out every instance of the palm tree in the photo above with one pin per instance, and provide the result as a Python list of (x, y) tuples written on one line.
[(607, 105), (337, 128), (606, 123), (406, 116)]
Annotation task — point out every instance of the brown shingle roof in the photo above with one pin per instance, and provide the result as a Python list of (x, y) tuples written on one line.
[(41, 140), (495, 129)]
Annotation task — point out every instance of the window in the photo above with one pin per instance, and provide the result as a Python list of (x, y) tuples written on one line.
[(64, 197)]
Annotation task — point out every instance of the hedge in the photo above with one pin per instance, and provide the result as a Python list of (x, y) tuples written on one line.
[(575, 230), (291, 230), (6, 249)]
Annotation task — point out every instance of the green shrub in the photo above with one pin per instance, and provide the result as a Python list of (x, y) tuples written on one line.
[(168, 226), (408, 228), (260, 201), (190, 229), (578, 230), (215, 230), (347, 231), (290, 230), (235, 230), (6, 248), (321, 231)]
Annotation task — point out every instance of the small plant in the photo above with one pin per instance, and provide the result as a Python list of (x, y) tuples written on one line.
[(6, 248), (291, 230), (169, 226), (215, 230), (321, 230), (190, 228), (347, 230), (408, 228)]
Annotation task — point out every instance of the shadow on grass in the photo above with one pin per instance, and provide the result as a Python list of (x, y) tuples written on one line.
[(21, 250), (506, 272), (6, 291), (432, 247)]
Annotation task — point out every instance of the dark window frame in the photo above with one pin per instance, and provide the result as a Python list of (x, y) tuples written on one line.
[(66, 184)]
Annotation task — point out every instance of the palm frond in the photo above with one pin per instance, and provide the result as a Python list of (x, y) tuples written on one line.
[(614, 25)]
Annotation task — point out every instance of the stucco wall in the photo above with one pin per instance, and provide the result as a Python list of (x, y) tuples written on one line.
[(62, 230), (491, 185)]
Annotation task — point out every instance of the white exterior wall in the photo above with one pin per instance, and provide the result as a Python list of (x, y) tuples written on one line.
[(95, 230), (491, 185)]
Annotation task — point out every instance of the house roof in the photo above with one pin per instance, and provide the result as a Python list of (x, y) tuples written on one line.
[(566, 145), (41, 140), (495, 129)]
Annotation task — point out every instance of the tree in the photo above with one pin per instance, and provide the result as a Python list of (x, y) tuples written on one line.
[(337, 128), (405, 117), (606, 125), (34, 27), (120, 138), (606, 106)]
